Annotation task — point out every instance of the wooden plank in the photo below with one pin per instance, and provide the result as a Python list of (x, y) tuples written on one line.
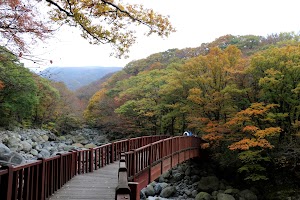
[(100, 184)]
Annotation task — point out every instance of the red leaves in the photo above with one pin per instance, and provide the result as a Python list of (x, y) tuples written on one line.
[(19, 18)]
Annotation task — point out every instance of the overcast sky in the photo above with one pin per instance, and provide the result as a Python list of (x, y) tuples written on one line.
[(196, 22)]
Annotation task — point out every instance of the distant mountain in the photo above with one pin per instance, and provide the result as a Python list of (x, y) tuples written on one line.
[(77, 77)]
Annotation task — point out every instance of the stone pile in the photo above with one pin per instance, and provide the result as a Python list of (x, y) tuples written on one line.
[(191, 180), (18, 147)]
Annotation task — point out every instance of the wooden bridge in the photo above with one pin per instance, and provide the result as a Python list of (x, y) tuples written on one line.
[(118, 170)]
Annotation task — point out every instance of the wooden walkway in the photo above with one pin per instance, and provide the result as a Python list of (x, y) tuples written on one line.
[(98, 185)]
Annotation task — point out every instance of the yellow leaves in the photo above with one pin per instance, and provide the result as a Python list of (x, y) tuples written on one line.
[(110, 22), (194, 95)]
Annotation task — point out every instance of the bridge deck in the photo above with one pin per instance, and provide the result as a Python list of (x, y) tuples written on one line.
[(99, 185)]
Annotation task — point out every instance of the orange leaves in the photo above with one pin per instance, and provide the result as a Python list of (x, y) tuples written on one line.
[(1, 85), (268, 132), (212, 137), (257, 109), (246, 144), (251, 129), (249, 121)]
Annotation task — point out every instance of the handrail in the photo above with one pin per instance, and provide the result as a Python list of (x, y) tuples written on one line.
[(38, 180), (157, 157), (122, 190)]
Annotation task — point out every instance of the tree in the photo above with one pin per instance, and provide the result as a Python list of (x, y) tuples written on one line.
[(101, 22), (20, 25), (18, 98), (251, 129), (275, 75)]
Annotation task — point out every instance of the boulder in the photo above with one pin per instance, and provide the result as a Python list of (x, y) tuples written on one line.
[(248, 195), (34, 152), (194, 193), (44, 154), (4, 149), (45, 137), (157, 188), (203, 196), (231, 191), (222, 196), (142, 194), (208, 184), (168, 192), (178, 176), (78, 145), (149, 191), (90, 145), (26, 146), (12, 158), (13, 142)]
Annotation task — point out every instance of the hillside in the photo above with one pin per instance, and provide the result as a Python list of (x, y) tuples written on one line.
[(77, 77)]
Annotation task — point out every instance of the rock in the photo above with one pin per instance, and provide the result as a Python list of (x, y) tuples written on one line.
[(4, 149), (188, 171), (232, 191), (222, 196), (178, 176), (203, 196), (167, 192), (215, 193), (164, 177), (248, 195), (80, 139), (62, 138), (26, 146), (44, 154), (142, 194), (157, 188), (16, 158), (194, 193), (149, 191), (34, 152), (208, 184), (195, 178), (45, 137), (90, 145), (13, 142), (187, 192), (163, 185), (78, 145)]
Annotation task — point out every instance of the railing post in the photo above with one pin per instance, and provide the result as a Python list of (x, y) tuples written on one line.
[(91, 160), (135, 193), (122, 191), (60, 161), (8, 192), (134, 164), (128, 145), (150, 163), (112, 152), (41, 179)]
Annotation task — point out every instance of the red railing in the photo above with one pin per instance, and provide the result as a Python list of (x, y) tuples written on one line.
[(40, 179), (145, 164)]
